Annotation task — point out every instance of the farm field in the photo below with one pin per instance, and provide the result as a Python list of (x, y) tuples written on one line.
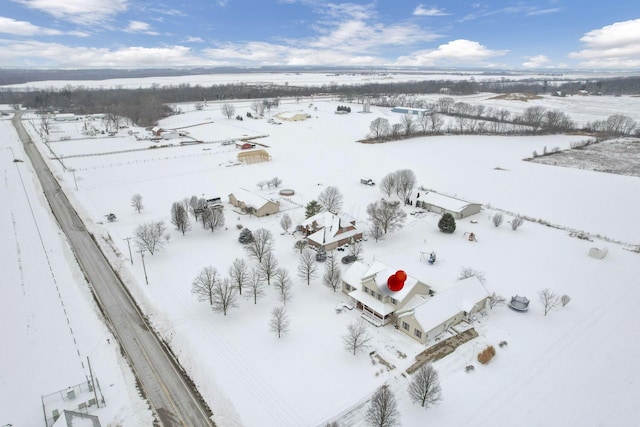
[(251, 378)]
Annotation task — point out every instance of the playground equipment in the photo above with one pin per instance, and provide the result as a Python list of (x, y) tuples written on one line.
[(471, 236)]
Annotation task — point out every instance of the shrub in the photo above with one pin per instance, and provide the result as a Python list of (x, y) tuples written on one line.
[(447, 223), (486, 355)]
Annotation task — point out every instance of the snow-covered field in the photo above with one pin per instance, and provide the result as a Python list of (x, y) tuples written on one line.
[(305, 79), (576, 366)]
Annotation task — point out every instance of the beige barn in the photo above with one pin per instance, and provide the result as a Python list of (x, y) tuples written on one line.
[(253, 204), (440, 203)]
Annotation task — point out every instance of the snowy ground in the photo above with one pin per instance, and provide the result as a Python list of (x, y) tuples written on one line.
[(544, 376), (49, 324)]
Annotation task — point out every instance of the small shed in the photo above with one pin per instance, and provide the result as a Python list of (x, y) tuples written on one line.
[(598, 253)]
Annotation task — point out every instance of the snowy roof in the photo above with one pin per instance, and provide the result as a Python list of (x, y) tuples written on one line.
[(447, 202), (379, 273), (323, 219), (462, 296), (327, 235), (251, 199), (371, 302)]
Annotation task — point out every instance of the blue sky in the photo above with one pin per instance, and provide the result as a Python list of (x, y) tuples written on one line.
[(544, 34)]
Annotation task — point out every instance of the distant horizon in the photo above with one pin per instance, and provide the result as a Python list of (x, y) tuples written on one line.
[(551, 35)]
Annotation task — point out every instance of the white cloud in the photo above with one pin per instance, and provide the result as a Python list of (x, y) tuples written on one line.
[(537, 61), (428, 11), (613, 46), (456, 52), (23, 28), (85, 12), (140, 27), (54, 54), (194, 40)]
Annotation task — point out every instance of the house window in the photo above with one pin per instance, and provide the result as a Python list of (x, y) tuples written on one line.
[(394, 301), (405, 325), (417, 333), (379, 297)]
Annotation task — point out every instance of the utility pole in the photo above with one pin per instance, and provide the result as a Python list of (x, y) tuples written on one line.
[(141, 251), (128, 239)]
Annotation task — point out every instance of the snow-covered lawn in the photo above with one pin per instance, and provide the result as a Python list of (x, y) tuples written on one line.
[(544, 376)]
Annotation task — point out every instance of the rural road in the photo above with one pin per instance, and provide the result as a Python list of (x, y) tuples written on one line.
[(166, 387)]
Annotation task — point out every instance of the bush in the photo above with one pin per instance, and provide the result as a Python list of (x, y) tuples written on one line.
[(246, 236), (447, 223), (486, 355), (497, 219)]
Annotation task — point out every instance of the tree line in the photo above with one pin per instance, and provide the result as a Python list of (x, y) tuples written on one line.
[(145, 106)]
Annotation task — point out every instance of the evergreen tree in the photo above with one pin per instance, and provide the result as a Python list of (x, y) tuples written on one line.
[(447, 223), (312, 208)]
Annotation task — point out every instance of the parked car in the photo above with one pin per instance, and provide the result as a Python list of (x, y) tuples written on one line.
[(348, 259)]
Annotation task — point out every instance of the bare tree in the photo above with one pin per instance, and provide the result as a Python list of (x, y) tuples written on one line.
[(45, 124), (383, 411), (212, 218), (301, 244), (224, 296), (196, 206), (285, 222), (285, 293), (379, 128), (497, 219), (406, 181), (408, 124), (282, 278), (255, 286), (258, 108), (136, 202), (495, 300), (203, 285), (516, 222), (307, 268), (435, 122), (376, 231), (549, 300), (425, 386), (239, 274), (262, 244), (388, 184), (357, 337), (356, 248), (279, 323), (275, 182), (228, 110), (331, 199), (261, 184), (466, 272), (150, 236), (180, 217), (332, 274), (386, 215), (268, 266)]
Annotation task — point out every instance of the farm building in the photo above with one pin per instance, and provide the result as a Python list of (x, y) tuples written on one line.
[(415, 111), (252, 203), (254, 156), (367, 286), (328, 231), (244, 145), (439, 203), (423, 317)]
